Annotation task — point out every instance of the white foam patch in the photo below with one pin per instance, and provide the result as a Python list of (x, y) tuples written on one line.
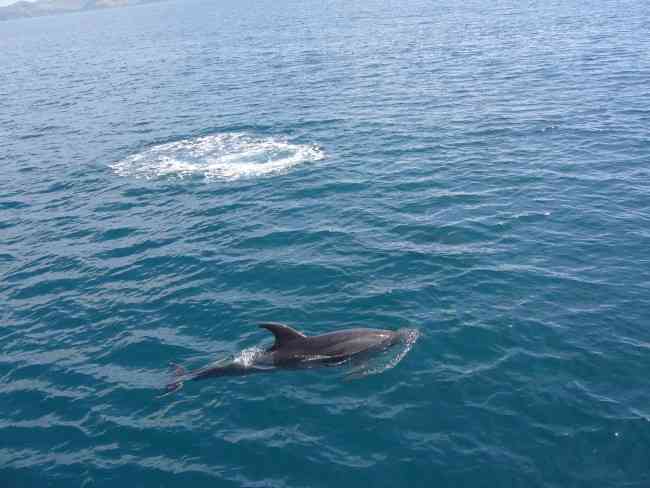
[(228, 156)]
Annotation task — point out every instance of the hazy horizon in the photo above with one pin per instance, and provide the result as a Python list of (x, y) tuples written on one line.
[(6, 3)]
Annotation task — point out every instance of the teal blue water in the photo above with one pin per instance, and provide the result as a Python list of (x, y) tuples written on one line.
[(175, 173)]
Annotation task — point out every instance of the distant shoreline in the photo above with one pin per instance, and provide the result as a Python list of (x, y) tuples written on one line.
[(41, 8)]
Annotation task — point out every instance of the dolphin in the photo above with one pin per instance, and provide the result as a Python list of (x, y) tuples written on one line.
[(294, 350)]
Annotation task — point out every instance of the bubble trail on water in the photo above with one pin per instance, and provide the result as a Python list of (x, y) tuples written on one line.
[(226, 156)]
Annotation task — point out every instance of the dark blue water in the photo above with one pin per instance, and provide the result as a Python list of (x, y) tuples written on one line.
[(172, 174)]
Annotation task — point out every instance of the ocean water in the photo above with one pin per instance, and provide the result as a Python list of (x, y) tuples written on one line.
[(175, 173)]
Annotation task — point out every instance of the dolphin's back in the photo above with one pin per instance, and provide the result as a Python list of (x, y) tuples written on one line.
[(336, 345)]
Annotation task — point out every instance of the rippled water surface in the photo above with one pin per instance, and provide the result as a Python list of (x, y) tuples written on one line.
[(175, 173)]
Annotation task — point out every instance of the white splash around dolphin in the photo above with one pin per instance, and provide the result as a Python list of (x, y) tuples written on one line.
[(386, 360)]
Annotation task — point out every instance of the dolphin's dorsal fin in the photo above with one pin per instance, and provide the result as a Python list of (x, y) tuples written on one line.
[(283, 334)]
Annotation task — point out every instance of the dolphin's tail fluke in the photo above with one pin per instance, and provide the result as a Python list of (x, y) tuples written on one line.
[(179, 374)]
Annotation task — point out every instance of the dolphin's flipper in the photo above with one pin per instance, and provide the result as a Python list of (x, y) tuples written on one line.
[(176, 384), (357, 372), (358, 367), (178, 370), (283, 334)]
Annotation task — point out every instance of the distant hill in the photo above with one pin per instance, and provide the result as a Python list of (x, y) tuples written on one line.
[(51, 7)]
